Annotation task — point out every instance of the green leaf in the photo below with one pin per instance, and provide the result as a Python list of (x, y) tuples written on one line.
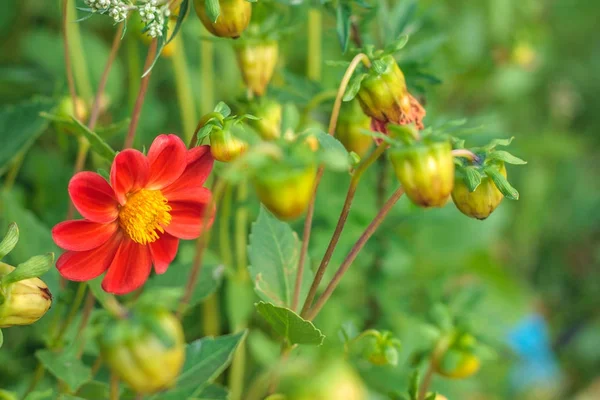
[(183, 10), (379, 66), (39, 395), (1, 338), (66, 366), (108, 131), (223, 109), (20, 125), (502, 183), (213, 9), (343, 14), (505, 156), (10, 240), (354, 87), (213, 392), (498, 142), (472, 177), (35, 267), (273, 251), (413, 384), (290, 325), (205, 360), (96, 142), (94, 390), (397, 45), (334, 154)]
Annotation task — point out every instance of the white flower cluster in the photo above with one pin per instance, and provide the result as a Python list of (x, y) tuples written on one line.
[(117, 9), (153, 15)]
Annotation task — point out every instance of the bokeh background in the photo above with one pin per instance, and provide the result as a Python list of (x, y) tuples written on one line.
[(523, 68)]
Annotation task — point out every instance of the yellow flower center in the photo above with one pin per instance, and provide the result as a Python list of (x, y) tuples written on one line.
[(145, 213)]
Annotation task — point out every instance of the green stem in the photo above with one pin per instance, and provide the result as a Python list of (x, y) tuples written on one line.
[(11, 176), (236, 376), (340, 226), (38, 375), (114, 387), (315, 33), (134, 69), (80, 69), (207, 98), (77, 301), (211, 315), (224, 237), (184, 88)]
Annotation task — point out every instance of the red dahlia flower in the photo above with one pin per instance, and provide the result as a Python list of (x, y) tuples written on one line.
[(137, 219)]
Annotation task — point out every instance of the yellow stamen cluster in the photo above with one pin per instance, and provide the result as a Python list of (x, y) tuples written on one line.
[(145, 213)]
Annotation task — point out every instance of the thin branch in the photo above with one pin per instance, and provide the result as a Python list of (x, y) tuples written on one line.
[(360, 243), (139, 101)]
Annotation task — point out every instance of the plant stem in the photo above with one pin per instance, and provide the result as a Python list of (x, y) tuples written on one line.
[(468, 154), (340, 225), (184, 88), (11, 176), (72, 313), (315, 32), (139, 101), (88, 307), (80, 69), (133, 69), (211, 312), (114, 387), (201, 244), (311, 206), (114, 50), (237, 372), (312, 312), (224, 218), (424, 388), (207, 99)]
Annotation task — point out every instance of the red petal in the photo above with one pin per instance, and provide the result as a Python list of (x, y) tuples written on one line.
[(93, 197), (163, 251), (129, 173), (85, 265), (167, 158), (130, 268), (187, 219), (82, 235), (199, 166)]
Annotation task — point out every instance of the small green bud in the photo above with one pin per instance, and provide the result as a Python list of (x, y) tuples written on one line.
[(22, 302), (224, 146), (270, 114), (426, 171), (351, 122), (482, 201), (147, 352), (231, 22), (257, 61)]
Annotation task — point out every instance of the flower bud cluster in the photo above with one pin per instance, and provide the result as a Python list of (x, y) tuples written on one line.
[(117, 9), (153, 16)]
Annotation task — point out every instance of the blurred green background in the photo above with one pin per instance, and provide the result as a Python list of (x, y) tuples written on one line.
[(523, 68)]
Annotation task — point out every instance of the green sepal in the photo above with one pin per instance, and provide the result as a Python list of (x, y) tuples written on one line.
[(354, 87), (397, 44), (34, 267), (470, 175), (505, 156), (213, 9), (10, 240), (502, 183), (413, 384), (498, 142)]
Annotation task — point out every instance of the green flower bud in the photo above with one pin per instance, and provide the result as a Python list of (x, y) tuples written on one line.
[(458, 361), (351, 122), (383, 95), (22, 302), (482, 201), (426, 171), (257, 61), (66, 111), (146, 352), (269, 124), (286, 190), (224, 146), (334, 380), (232, 21)]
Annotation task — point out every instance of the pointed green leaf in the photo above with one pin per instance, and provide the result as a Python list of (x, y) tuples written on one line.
[(354, 87), (223, 109), (66, 366), (498, 142), (183, 10), (96, 142), (20, 125), (290, 325), (397, 45), (343, 14), (34, 267), (213, 9), (502, 183), (413, 384), (273, 251), (505, 156), (108, 131), (334, 154), (213, 392), (10, 240)]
